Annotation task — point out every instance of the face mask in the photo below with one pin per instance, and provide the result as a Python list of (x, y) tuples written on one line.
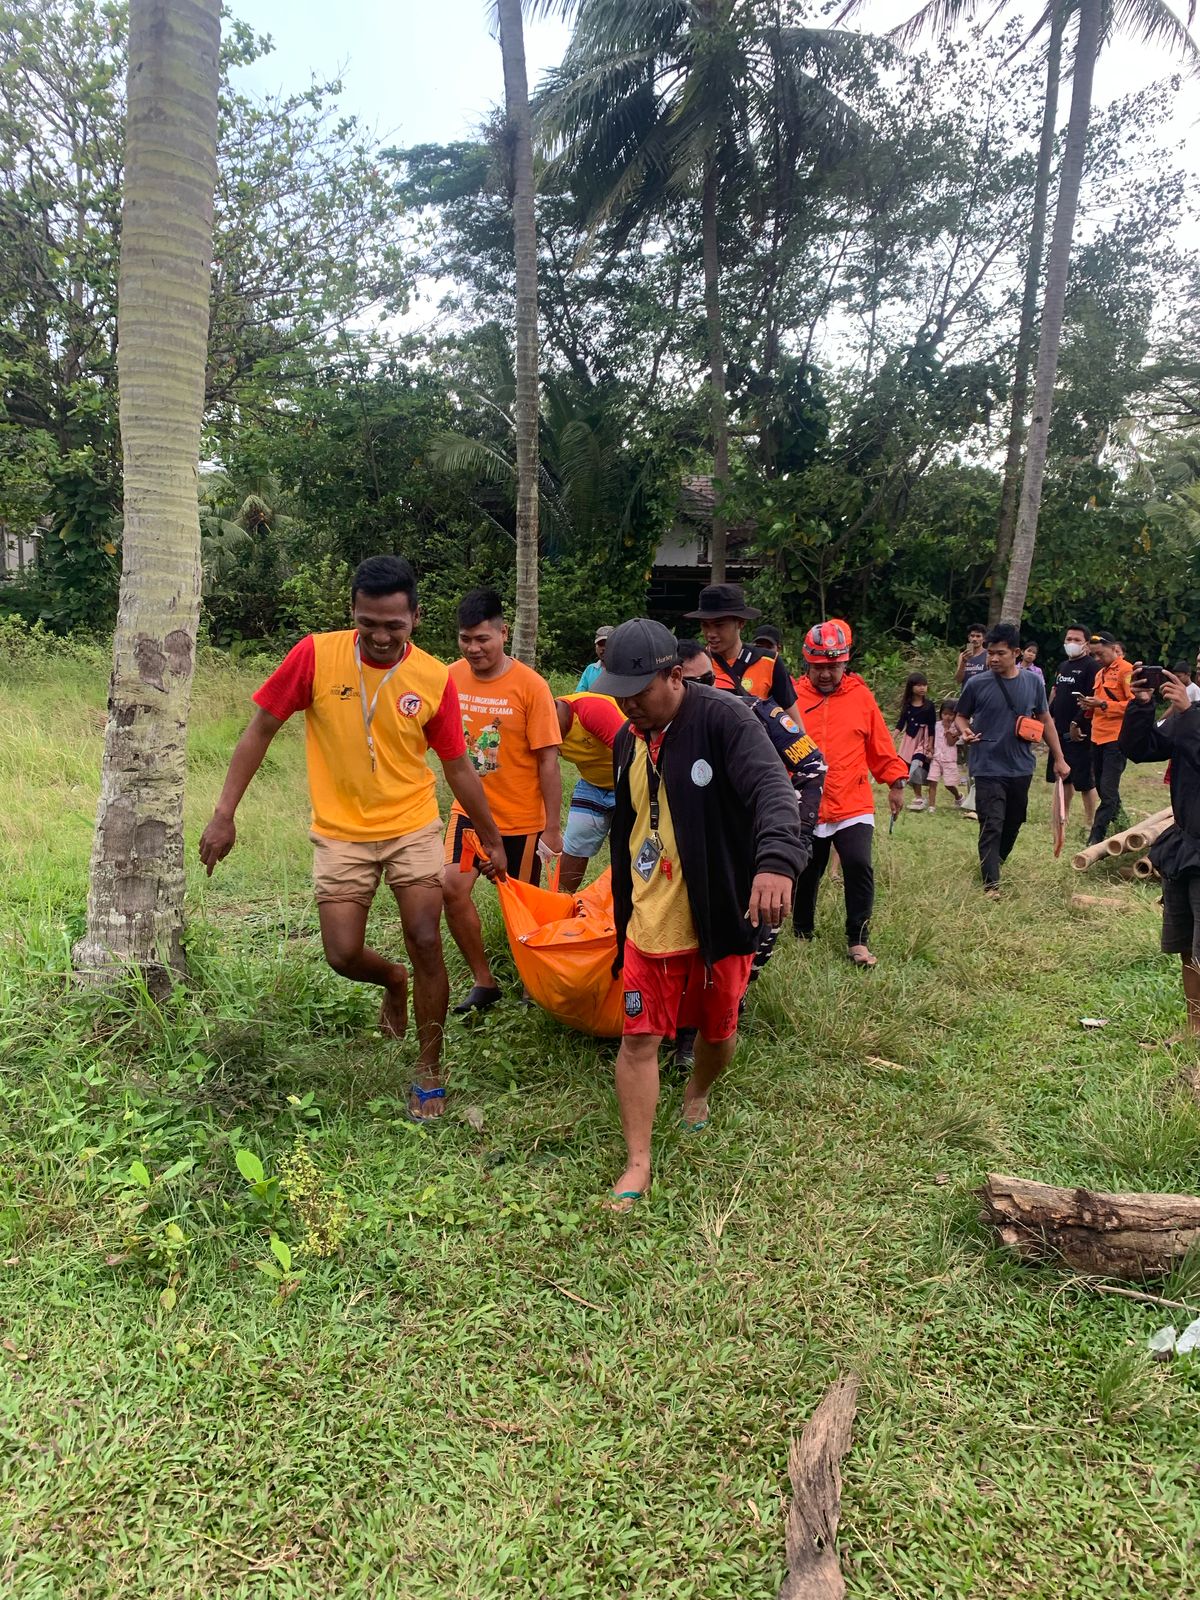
[(1073, 648)]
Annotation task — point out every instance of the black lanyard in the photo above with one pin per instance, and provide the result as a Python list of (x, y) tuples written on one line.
[(653, 779)]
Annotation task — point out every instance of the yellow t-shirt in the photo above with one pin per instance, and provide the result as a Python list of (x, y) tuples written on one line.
[(587, 743), (505, 720), (416, 711), (661, 922)]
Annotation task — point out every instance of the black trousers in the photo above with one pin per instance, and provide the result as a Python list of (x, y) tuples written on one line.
[(1002, 804), (854, 849), (1108, 763)]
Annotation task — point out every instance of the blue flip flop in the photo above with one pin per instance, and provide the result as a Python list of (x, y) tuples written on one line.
[(423, 1095), (617, 1196)]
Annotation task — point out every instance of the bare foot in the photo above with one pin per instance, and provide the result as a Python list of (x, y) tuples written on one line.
[(695, 1110), (861, 956), (393, 1013), (629, 1188)]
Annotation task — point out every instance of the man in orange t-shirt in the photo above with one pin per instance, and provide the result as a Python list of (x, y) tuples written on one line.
[(373, 705), (1106, 706), (511, 728)]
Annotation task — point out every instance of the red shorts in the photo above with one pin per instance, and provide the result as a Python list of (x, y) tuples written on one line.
[(663, 993)]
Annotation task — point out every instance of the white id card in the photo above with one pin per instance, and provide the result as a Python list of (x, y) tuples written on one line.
[(647, 858)]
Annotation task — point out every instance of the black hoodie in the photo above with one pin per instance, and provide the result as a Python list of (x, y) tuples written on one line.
[(734, 816), (1176, 852)]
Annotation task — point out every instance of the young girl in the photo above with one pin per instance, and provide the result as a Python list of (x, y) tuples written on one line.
[(1029, 660), (916, 723), (944, 766)]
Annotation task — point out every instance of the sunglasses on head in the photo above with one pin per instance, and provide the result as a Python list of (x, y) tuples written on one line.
[(709, 679)]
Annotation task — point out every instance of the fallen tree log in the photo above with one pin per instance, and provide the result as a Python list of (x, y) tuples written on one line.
[(1104, 902), (1131, 1236), (814, 1463)]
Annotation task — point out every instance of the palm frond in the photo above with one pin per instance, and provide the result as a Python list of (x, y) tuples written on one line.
[(935, 17), (1154, 23), (457, 454)]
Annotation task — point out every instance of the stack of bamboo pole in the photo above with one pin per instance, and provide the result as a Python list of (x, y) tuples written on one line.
[(1140, 837)]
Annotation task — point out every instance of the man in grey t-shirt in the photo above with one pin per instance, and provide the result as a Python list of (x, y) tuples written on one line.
[(1001, 763)]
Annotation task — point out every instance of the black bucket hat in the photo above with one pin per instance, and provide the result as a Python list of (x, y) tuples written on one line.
[(724, 600)]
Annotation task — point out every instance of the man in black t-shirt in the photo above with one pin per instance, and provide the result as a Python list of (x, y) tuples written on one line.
[(1001, 761), (1075, 678)]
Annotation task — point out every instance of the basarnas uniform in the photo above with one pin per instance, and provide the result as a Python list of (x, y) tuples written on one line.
[(366, 732), (1075, 676), (765, 677), (854, 738), (587, 744), (505, 721), (806, 768), (1108, 758), (1001, 764)]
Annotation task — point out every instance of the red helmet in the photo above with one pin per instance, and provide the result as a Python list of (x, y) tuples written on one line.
[(827, 642)]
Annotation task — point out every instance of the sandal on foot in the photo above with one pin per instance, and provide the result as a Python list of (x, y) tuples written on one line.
[(422, 1096), (622, 1201), (479, 999), (692, 1127), (865, 962)]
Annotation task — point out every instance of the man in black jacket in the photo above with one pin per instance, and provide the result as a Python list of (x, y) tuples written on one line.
[(1176, 853), (705, 848)]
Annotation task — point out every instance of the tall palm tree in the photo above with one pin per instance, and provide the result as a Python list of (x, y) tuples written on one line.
[(657, 99), (525, 409), (1099, 21), (1058, 263), (1010, 484), (135, 899)]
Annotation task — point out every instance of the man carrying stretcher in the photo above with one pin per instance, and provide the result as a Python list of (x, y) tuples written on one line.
[(705, 849)]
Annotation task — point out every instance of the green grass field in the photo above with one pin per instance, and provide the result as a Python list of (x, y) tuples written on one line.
[(495, 1389)]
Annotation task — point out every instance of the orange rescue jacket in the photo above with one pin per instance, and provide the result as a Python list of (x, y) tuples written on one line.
[(849, 729)]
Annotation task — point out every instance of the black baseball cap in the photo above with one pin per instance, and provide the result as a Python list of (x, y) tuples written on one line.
[(635, 653), (1102, 636), (768, 630)]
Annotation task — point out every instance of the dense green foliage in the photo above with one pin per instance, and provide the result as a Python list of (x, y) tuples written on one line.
[(872, 218)]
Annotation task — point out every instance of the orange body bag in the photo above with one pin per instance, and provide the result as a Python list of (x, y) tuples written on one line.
[(564, 946)]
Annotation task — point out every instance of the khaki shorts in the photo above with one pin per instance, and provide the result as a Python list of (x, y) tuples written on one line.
[(350, 869)]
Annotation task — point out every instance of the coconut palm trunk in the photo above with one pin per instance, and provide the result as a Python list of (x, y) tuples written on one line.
[(135, 899), (1057, 267), (716, 367), (1027, 333), (525, 409)]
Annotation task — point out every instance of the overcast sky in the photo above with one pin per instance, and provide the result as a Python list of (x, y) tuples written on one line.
[(428, 70)]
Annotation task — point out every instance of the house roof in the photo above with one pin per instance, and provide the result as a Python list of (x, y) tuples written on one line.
[(697, 501)]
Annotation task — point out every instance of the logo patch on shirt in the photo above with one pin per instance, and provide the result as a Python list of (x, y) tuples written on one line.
[(408, 705), (633, 1002), (702, 774), (344, 691)]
